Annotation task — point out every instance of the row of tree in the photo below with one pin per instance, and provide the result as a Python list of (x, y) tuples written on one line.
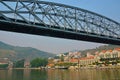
[(37, 62), (3, 65)]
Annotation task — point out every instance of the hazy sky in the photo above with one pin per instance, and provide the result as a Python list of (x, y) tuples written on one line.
[(108, 8)]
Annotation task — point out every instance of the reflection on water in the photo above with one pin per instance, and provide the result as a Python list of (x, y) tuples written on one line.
[(84, 75), (27, 74)]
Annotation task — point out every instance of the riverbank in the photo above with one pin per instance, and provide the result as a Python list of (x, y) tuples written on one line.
[(72, 68), (28, 68), (103, 67), (95, 67)]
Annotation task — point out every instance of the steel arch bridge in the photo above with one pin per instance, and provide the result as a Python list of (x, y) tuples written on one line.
[(57, 20)]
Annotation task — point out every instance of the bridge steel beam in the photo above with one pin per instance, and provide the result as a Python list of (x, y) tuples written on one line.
[(57, 20)]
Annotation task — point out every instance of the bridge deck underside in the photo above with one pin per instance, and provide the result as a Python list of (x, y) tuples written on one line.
[(53, 33)]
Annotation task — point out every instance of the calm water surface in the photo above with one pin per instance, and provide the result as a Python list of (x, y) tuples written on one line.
[(59, 75)]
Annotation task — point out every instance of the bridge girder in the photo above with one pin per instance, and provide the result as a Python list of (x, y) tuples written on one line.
[(58, 17)]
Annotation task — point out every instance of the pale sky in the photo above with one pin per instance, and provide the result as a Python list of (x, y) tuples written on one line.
[(108, 8)]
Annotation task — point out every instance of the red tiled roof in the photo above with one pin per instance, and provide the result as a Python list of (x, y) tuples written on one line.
[(103, 51), (91, 57), (50, 65), (109, 50), (73, 60), (118, 49)]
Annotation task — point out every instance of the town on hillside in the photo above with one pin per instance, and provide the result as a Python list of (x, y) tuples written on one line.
[(99, 59)]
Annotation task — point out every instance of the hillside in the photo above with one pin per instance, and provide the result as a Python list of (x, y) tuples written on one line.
[(100, 48), (97, 49), (16, 53)]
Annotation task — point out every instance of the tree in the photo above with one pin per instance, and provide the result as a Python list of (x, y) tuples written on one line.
[(19, 64), (3, 65), (37, 62), (62, 58)]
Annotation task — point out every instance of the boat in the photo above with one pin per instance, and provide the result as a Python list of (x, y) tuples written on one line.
[(62, 67)]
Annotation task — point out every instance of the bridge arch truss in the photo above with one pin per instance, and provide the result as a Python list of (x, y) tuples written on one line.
[(54, 16)]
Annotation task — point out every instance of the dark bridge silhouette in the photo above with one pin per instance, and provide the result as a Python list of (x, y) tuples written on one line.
[(57, 20)]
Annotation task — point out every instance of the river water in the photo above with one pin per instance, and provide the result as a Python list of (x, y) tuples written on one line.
[(27, 74)]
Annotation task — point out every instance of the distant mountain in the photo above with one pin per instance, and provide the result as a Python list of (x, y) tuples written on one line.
[(17, 53)]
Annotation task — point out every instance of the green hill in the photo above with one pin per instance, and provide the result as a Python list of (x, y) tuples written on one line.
[(16, 53)]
